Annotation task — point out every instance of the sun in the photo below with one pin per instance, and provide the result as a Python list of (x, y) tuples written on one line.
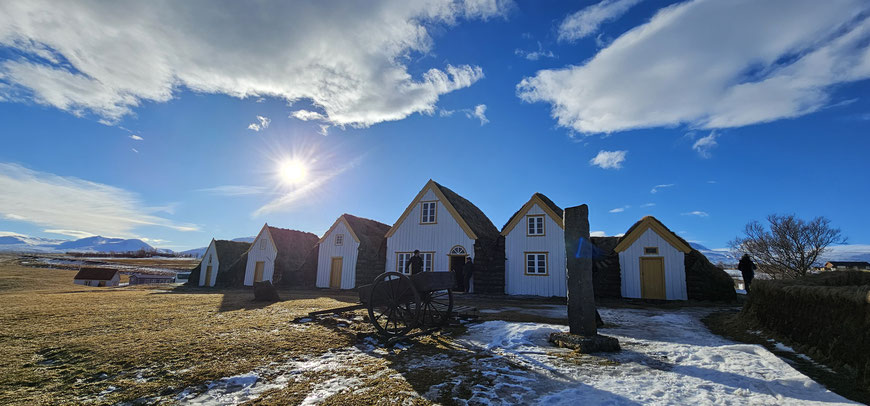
[(293, 171)]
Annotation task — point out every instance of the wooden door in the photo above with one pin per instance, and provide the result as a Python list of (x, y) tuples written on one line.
[(652, 278), (335, 273), (208, 276), (258, 271)]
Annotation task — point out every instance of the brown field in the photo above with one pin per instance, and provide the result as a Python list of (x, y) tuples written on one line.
[(178, 264)]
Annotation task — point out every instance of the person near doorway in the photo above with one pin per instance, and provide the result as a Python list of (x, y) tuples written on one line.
[(747, 268), (467, 273), (415, 263)]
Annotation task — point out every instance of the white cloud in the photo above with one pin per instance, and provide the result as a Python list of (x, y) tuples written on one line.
[(13, 216), (597, 234), (261, 124), (712, 182), (134, 150), (586, 21), (535, 55), (70, 233), (656, 188), (234, 190), (608, 159), (648, 205), (349, 60), (691, 65), (697, 213), (306, 115), (68, 203), (136, 137), (617, 210), (479, 112), (704, 144)]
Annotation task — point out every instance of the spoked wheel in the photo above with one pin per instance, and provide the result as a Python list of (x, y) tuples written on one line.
[(437, 307), (394, 304)]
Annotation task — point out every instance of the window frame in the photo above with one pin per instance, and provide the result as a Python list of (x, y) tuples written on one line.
[(400, 264), (262, 244), (543, 224), (546, 255), (433, 212), (339, 239), (656, 249)]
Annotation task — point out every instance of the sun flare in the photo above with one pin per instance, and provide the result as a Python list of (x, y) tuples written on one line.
[(293, 172)]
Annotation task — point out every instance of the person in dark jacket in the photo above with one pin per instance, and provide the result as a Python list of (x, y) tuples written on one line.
[(467, 273), (415, 263), (747, 268)]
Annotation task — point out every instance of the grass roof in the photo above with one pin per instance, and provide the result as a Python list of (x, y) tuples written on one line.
[(371, 233), (556, 209), (473, 216)]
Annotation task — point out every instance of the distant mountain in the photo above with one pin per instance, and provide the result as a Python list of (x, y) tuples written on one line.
[(10, 242), (198, 252), (715, 255)]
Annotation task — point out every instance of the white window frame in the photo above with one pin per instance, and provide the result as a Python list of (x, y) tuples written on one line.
[(339, 239), (536, 266), (402, 259), (262, 243), (429, 212), (535, 225)]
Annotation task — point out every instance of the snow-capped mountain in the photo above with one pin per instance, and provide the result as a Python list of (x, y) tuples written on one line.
[(857, 252), (11, 242), (198, 252), (715, 255)]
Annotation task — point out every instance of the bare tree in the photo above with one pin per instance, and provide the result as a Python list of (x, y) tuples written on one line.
[(790, 247)]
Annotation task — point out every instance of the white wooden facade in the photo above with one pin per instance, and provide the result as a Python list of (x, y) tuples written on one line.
[(519, 243), (262, 250), (209, 258), (447, 234), (115, 281), (668, 247), (346, 248)]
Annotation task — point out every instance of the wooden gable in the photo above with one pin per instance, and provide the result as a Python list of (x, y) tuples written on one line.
[(521, 214), (431, 185)]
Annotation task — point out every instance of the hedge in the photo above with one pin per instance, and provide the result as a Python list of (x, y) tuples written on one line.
[(827, 314)]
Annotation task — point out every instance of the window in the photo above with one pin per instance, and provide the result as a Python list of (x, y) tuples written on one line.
[(402, 259), (650, 250), (458, 250), (428, 214), (536, 225), (339, 239), (262, 244), (209, 259), (536, 263)]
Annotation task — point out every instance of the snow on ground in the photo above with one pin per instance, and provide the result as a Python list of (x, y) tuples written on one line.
[(668, 357)]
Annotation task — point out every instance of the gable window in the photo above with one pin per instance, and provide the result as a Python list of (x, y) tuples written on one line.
[(209, 259), (650, 250), (428, 212), (262, 244), (402, 259), (536, 263), (535, 225), (339, 239)]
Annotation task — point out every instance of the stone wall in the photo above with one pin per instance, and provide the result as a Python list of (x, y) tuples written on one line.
[(489, 266)]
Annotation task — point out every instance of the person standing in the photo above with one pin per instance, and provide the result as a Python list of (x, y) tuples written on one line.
[(467, 273), (747, 268), (415, 263)]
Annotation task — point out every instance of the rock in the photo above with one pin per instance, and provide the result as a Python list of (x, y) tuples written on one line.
[(265, 291), (585, 344)]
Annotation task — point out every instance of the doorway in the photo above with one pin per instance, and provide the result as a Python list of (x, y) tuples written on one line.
[(335, 273), (652, 278), (208, 276), (258, 271)]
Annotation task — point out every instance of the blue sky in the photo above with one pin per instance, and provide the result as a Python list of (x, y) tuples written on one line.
[(132, 120)]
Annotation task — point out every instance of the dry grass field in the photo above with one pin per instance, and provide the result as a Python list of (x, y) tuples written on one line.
[(185, 264), (62, 342)]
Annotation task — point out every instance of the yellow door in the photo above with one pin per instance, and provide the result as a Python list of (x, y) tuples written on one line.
[(208, 276), (258, 271), (652, 278), (335, 273)]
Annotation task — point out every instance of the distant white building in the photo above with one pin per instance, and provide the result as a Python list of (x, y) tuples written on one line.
[(276, 253), (652, 262), (349, 253), (447, 228), (97, 277), (535, 250)]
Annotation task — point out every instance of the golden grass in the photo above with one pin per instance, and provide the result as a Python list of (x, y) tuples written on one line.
[(178, 264), (62, 342)]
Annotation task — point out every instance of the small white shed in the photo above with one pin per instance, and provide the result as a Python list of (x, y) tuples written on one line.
[(349, 253), (652, 262), (276, 253), (535, 250), (97, 277), (218, 257)]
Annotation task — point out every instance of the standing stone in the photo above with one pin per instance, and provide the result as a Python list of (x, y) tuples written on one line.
[(581, 295)]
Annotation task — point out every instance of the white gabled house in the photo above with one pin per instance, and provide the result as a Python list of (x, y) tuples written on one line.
[(97, 277), (534, 243), (447, 228), (652, 261), (276, 254), (349, 253), (218, 257)]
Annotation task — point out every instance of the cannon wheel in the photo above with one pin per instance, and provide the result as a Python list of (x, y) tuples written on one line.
[(396, 309), (437, 307)]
